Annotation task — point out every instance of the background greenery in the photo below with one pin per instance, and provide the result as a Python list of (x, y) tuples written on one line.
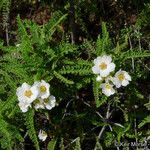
[(58, 41)]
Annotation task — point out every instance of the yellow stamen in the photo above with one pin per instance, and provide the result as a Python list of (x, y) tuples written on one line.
[(28, 93), (103, 66), (107, 86), (121, 77), (46, 100), (42, 88)]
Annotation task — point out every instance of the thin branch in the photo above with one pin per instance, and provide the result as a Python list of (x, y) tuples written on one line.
[(66, 109), (139, 40), (100, 134), (72, 142), (131, 50), (72, 21), (7, 35), (95, 111), (108, 114)]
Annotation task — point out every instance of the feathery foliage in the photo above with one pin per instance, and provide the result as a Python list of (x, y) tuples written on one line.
[(82, 110)]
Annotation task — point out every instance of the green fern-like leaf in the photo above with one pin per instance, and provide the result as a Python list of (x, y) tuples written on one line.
[(103, 42), (96, 92), (134, 54), (10, 134), (51, 144), (145, 121), (8, 104), (98, 144), (62, 147), (81, 70), (78, 145), (5, 9), (109, 139), (6, 135), (80, 67), (25, 43), (56, 19), (62, 79), (66, 48), (31, 128)]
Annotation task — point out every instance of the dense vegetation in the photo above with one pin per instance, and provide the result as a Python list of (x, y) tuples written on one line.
[(57, 42)]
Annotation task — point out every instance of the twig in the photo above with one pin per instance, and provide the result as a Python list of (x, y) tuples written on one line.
[(25, 135), (71, 142), (131, 50), (102, 6), (95, 111), (103, 128), (7, 36), (100, 134), (66, 109), (139, 40), (108, 114), (72, 21)]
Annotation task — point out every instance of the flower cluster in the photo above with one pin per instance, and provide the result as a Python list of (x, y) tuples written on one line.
[(38, 94), (103, 67)]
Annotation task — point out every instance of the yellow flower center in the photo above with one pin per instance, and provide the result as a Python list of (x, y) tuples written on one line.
[(121, 77), (103, 66), (46, 100), (44, 133), (42, 88), (28, 93), (37, 101), (107, 86)]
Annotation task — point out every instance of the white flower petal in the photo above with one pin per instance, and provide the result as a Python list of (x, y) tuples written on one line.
[(51, 103), (36, 83), (95, 70), (46, 95), (97, 60), (111, 67), (125, 82), (103, 66), (42, 135), (39, 104), (121, 78), (127, 76), (107, 89), (27, 93), (99, 78), (26, 86), (104, 73), (35, 92), (116, 82), (43, 89), (24, 106), (107, 59)]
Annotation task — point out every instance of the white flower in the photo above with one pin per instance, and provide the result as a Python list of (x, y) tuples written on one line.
[(17, 45), (39, 104), (50, 103), (99, 78), (42, 135), (103, 66), (43, 88), (27, 93), (121, 78), (107, 89), (24, 106)]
